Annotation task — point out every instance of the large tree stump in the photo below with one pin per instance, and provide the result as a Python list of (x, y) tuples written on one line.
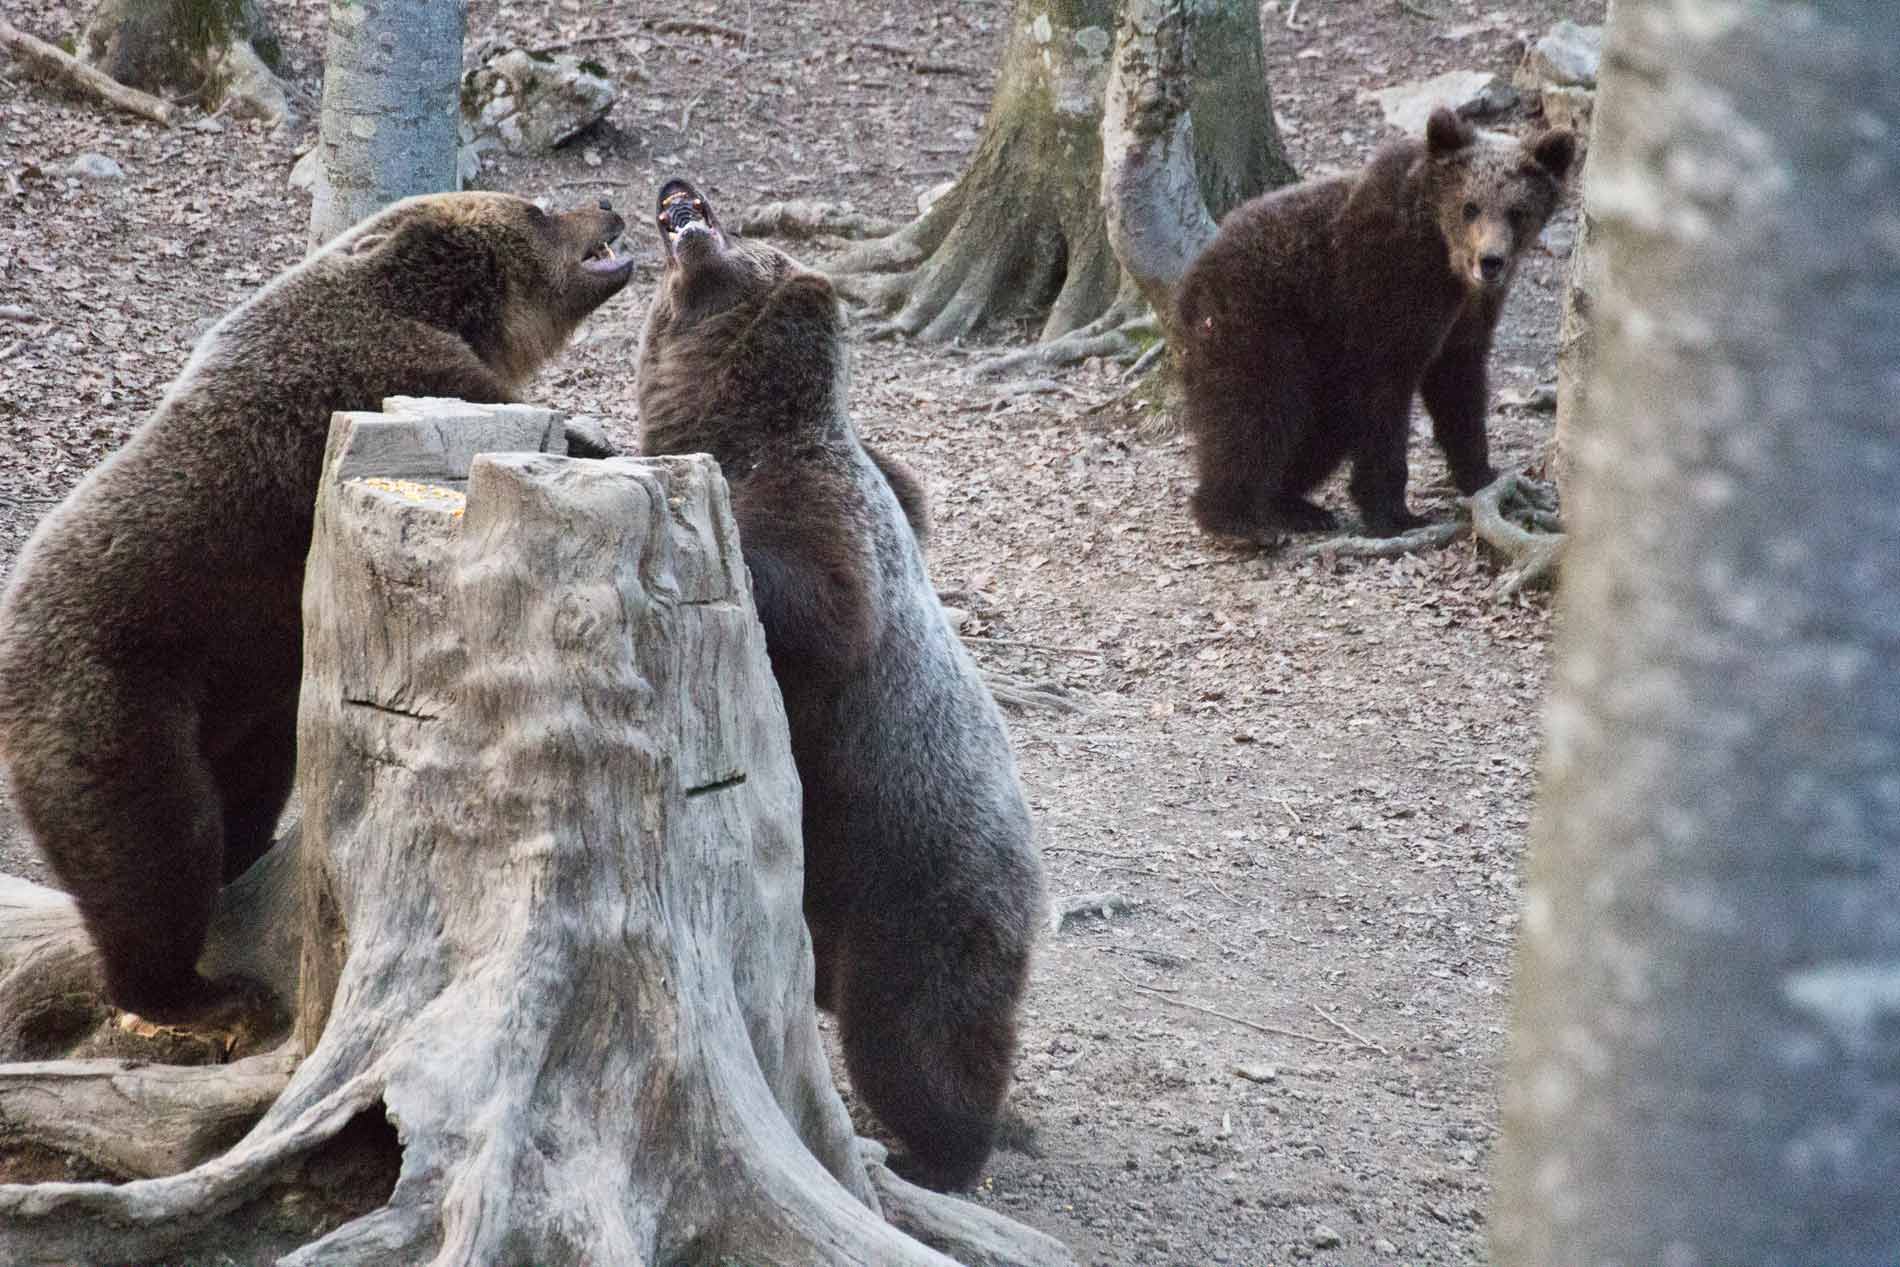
[(552, 973)]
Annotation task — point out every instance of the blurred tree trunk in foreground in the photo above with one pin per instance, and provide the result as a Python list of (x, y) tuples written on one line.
[(1707, 1064)]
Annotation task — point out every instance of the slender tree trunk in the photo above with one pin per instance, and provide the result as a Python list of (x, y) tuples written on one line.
[(391, 100), (1707, 1047), (1022, 232)]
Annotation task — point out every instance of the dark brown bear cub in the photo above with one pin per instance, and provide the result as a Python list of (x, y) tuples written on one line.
[(150, 638), (1318, 311), (922, 889)]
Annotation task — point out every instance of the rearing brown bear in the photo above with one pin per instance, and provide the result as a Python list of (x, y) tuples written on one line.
[(150, 637), (923, 889), (1319, 310)]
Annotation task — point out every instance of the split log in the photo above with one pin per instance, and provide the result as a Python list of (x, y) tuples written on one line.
[(552, 973)]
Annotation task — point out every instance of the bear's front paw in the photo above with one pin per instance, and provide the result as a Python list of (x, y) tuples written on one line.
[(1391, 523), (1470, 482), (1300, 515)]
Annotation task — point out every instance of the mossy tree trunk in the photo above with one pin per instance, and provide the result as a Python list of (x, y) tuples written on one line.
[(1708, 1019), (392, 80), (1022, 233), (196, 49)]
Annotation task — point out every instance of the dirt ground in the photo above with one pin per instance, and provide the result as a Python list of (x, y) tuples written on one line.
[(1304, 787)]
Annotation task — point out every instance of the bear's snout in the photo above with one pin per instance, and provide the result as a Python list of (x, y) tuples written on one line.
[(1491, 266)]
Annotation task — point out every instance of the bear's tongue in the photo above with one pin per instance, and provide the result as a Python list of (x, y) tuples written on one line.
[(602, 259)]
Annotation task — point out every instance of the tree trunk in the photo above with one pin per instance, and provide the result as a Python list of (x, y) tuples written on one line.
[(1152, 202), (1023, 230), (555, 983), (391, 101), (1576, 330), (1708, 1025), (205, 50)]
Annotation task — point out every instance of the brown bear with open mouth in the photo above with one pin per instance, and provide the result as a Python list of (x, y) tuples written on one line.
[(151, 634), (922, 887)]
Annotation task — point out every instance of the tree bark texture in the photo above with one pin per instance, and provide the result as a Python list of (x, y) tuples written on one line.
[(1707, 1044), (391, 101), (1154, 207), (550, 959), (1022, 232), (1576, 329)]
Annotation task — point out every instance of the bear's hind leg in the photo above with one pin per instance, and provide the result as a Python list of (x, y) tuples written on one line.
[(929, 1039), (123, 805), (1317, 456), (1244, 427)]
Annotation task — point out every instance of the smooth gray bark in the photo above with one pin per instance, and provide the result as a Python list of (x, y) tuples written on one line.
[(391, 107), (1707, 1044), (1157, 217)]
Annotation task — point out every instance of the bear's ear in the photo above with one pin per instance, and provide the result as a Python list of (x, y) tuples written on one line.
[(1446, 133), (367, 243), (1554, 151)]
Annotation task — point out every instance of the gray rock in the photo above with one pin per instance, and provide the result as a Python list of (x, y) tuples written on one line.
[(303, 175), (1324, 1237), (1470, 92), (1384, 1248), (1569, 108), (532, 102), (1568, 56), (90, 166), (251, 91)]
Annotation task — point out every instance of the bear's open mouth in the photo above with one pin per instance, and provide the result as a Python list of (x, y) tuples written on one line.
[(682, 210), (600, 258)]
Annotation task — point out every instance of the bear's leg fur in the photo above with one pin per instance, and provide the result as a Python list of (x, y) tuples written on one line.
[(1454, 391), (1316, 457), (129, 817), (929, 1035), (1245, 426), (254, 776), (1377, 484)]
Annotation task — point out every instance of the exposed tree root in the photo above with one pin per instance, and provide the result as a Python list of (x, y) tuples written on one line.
[(1122, 334), (1430, 537), (1514, 515), (1024, 695), (1534, 554), (974, 1236)]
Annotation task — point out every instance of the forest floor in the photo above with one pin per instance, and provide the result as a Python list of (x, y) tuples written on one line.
[(1306, 785)]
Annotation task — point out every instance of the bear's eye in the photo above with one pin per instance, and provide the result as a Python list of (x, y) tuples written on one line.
[(1472, 211)]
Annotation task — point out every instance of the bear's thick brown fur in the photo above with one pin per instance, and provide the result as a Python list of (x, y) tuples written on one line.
[(1318, 311), (923, 890), (151, 634)]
